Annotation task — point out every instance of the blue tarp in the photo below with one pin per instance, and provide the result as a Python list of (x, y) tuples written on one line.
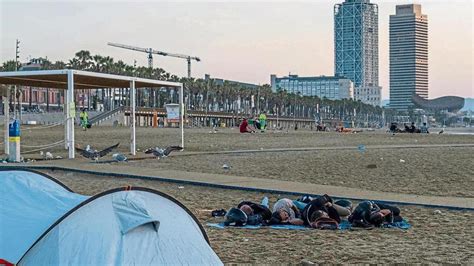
[(344, 225)]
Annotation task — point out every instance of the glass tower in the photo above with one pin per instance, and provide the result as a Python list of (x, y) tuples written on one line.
[(356, 47)]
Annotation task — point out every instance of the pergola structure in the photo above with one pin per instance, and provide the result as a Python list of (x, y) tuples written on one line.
[(69, 80)]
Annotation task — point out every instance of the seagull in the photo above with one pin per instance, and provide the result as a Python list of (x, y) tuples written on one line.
[(119, 157), (94, 154), (159, 152), (46, 156)]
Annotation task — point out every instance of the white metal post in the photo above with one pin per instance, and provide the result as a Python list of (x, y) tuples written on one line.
[(66, 116), (6, 111), (133, 149), (71, 112), (181, 113)]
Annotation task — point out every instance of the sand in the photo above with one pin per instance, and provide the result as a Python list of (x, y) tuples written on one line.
[(440, 171), (425, 171), (444, 238)]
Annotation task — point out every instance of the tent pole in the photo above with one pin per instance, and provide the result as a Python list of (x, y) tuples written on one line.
[(133, 92), (71, 111), (6, 111), (181, 116)]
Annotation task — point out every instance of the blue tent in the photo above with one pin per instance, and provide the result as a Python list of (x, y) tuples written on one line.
[(43, 223)]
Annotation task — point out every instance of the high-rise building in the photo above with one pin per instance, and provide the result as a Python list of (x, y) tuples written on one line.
[(356, 51), (408, 56), (333, 88)]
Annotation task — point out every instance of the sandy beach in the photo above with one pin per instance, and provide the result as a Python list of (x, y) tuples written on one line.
[(440, 171), (418, 170), (444, 238)]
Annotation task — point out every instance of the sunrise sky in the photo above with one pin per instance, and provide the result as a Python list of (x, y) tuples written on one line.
[(244, 41)]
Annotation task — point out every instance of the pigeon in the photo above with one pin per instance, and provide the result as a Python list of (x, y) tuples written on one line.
[(47, 155), (159, 152), (119, 157), (94, 154)]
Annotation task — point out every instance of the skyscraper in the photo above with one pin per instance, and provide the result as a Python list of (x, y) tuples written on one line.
[(356, 42), (408, 56)]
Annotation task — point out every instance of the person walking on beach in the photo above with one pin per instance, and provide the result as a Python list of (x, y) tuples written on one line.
[(84, 117)]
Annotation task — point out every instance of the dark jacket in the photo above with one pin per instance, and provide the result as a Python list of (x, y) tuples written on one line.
[(360, 217), (319, 204), (259, 209)]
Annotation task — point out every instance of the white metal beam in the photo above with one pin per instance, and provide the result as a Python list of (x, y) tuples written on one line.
[(71, 112), (181, 113), (133, 149), (6, 111)]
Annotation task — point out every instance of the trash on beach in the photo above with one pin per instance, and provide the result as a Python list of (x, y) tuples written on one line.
[(307, 262), (226, 166), (246, 240), (437, 212), (59, 157), (361, 148), (381, 158), (180, 187), (402, 161)]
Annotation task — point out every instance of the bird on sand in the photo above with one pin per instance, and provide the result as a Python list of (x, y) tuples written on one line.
[(159, 152), (94, 154), (46, 156), (119, 157)]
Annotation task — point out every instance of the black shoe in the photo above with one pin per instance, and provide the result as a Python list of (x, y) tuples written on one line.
[(220, 212)]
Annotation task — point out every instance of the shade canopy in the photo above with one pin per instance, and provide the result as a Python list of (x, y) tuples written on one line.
[(82, 80)]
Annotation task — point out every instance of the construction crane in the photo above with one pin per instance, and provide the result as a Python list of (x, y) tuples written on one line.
[(151, 51)]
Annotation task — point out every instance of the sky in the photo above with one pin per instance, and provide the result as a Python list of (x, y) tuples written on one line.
[(236, 40)]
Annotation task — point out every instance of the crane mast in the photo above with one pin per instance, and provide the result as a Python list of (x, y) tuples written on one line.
[(151, 51)]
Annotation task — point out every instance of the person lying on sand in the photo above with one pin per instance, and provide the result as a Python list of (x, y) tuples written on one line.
[(256, 213), (342, 206), (285, 212), (320, 204), (369, 214)]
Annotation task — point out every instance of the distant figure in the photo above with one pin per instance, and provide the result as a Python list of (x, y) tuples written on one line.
[(244, 127), (84, 117), (263, 121), (424, 129), (393, 127), (412, 127)]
